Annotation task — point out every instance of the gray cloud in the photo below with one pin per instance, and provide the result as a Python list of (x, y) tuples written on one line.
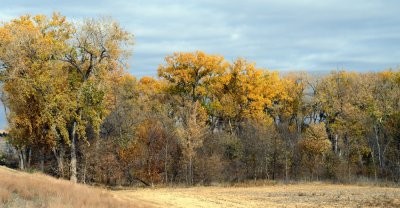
[(284, 35)]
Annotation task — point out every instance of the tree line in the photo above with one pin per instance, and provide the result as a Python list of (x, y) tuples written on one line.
[(74, 113)]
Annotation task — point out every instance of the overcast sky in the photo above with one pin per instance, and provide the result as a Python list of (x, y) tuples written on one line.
[(314, 35)]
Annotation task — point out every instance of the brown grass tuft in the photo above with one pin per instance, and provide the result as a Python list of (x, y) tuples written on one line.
[(5, 196)]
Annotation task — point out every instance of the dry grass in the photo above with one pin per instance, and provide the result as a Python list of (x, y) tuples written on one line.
[(18, 189), (295, 195)]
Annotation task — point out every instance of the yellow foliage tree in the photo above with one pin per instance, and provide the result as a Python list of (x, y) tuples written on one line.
[(33, 81), (314, 145), (243, 92)]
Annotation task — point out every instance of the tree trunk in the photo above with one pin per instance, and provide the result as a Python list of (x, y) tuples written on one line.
[(348, 159), (60, 159), (378, 145), (84, 171), (28, 158), (60, 164), (336, 144), (149, 171), (73, 153), (266, 168), (21, 159), (187, 174), (165, 163), (286, 168), (373, 162), (144, 182), (190, 172), (42, 160), (299, 125), (230, 127)]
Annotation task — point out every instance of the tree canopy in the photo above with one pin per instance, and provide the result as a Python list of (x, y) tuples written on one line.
[(73, 111)]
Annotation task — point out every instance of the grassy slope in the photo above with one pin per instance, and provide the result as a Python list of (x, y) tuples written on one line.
[(19, 189)]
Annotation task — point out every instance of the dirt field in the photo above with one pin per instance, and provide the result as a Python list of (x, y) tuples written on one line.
[(309, 195)]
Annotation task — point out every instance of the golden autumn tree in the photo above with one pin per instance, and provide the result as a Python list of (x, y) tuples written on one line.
[(344, 112), (243, 92), (64, 73), (146, 130), (189, 74), (314, 145), (384, 104), (151, 137), (96, 52), (188, 77), (378, 98), (191, 132), (34, 82), (333, 96)]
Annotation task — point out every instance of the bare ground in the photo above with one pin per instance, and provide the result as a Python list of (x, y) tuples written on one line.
[(304, 195)]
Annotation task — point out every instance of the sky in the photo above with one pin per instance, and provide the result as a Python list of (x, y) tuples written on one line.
[(285, 35)]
